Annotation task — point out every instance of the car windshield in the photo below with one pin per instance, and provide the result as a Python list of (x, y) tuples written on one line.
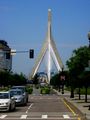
[(16, 93), (22, 88), (4, 95)]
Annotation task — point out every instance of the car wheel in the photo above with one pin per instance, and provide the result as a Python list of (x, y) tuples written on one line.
[(27, 100), (10, 107), (14, 107)]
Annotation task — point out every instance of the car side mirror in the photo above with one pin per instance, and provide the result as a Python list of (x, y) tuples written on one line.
[(23, 94), (13, 98)]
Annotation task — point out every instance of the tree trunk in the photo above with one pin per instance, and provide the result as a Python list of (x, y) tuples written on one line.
[(59, 88), (79, 94), (72, 92), (86, 95), (62, 89)]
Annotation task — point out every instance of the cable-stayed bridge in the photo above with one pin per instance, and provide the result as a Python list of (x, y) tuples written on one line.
[(48, 47)]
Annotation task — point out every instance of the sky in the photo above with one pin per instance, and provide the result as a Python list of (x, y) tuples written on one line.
[(23, 24)]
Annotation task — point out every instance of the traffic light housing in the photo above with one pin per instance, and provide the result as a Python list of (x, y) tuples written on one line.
[(31, 53), (8, 54)]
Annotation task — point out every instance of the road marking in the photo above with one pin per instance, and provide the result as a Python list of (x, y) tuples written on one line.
[(69, 108), (23, 117), (66, 116), (36, 118), (29, 108), (79, 118), (44, 116), (2, 116)]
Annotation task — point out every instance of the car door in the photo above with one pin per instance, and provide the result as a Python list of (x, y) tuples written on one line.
[(12, 101)]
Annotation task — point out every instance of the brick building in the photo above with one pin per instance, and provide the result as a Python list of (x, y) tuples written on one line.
[(5, 56)]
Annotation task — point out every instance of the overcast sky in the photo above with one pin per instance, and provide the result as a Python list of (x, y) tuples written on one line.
[(23, 24)]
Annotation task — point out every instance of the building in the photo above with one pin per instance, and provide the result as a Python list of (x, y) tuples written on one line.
[(5, 56)]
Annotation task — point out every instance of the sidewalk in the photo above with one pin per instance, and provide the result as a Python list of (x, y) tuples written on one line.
[(75, 103)]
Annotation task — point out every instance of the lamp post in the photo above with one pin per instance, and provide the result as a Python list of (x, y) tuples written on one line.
[(88, 61), (89, 38), (87, 68), (89, 47)]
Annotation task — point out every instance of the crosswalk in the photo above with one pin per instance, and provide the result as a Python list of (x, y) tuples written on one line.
[(2, 116), (44, 116), (49, 98)]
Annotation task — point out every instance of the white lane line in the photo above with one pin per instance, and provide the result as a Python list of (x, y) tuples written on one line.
[(66, 116), (44, 116), (23, 117), (2, 116), (29, 107)]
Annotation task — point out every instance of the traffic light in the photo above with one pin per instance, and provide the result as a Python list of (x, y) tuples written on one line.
[(31, 53), (8, 56)]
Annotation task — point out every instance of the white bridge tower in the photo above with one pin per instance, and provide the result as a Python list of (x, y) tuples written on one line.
[(49, 45)]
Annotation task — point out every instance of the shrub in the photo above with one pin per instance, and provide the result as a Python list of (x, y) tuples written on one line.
[(29, 90), (4, 88), (45, 90)]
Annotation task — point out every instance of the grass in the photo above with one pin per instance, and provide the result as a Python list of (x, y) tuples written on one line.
[(82, 90)]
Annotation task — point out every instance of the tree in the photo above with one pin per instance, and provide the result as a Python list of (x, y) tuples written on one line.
[(85, 76), (4, 78), (18, 79), (55, 80), (8, 78), (76, 65), (79, 60), (35, 79)]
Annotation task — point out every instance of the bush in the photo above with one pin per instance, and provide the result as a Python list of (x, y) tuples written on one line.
[(4, 88), (45, 90), (82, 91), (29, 90), (37, 86)]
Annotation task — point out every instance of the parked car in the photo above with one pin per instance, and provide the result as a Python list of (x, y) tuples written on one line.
[(23, 88), (7, 103), (20, 98)]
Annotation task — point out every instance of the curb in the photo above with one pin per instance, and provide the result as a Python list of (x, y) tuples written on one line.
[(75, 109)]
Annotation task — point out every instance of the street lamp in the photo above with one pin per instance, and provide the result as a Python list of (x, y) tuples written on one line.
[(89, 46), (89, 38), (87, 68)]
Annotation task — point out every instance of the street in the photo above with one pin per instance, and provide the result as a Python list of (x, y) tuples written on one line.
[(41, 107)]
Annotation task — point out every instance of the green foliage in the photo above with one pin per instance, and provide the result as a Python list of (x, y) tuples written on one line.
[(82, 91), (37, 86), (8, 78), (35, 79), (79, 60), (4, 88), (76, 65), (45, 90), (85, 77), (29, 89), (55, 80)]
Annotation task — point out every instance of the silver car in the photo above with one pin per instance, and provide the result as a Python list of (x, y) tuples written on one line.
[(20, 99), (23, 88), (7, 103)]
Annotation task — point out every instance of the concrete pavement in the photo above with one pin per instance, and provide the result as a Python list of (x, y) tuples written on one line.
[(79, 106), (75, 103)]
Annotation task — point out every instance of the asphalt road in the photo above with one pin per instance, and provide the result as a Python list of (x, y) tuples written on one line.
[(42, 107)]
